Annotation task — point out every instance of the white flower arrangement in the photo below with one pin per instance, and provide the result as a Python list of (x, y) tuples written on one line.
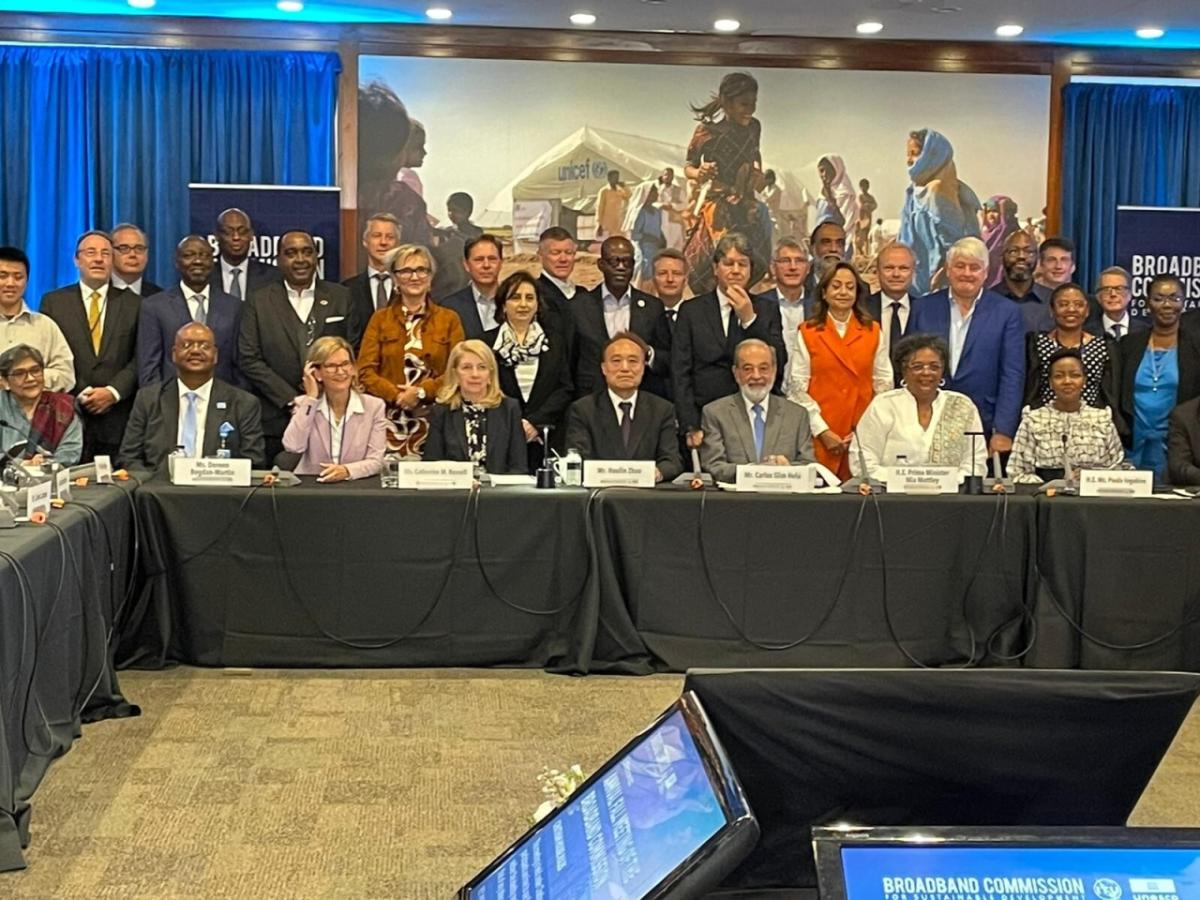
[(556, 788)]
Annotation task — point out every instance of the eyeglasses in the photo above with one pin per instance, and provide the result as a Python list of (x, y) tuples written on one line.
[(131, 248), (790, 260), (619, 262), (194, 345), (1166, 298), (932, 368), (418, 272), (337, 367), (1112, 291), (93, 252), (30, 374)]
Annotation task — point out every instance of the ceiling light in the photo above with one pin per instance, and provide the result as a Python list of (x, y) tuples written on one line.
[(869, 27), (1150, 34), (583, 18), (1010, 30), (440, 13), (292, 6), (142, 4), (727, 24)]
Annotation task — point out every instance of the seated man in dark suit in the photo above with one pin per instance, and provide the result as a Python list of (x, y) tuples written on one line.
[(371, 290), (753, 426), (236, 273), (708, 329), (131, 254), (191, 299), (614, 307), (279, 323), (196, 413), (476, 303), (621, 422), (99, 322), (1183, 443)]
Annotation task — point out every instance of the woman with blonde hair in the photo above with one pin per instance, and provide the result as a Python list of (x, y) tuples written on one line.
[(472, 420), (340, 433)]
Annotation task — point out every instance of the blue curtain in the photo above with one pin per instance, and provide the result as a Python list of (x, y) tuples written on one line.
[(1128, 145), (94, 136)]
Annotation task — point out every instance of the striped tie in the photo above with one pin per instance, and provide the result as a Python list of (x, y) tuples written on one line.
[(94, 320)]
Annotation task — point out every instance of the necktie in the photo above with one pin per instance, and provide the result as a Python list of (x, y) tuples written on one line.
[(1117, 331), (201, 313), (189, 425), (382, 293), (670, 313), (235, 285), (760, 431), (894, 328), (94, 320), (626, 422)]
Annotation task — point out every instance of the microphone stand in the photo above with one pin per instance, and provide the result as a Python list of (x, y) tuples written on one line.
[(545, 474), (973, 483)]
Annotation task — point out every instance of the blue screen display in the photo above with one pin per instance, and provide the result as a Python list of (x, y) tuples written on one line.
[(624, 834), (1020, 873)]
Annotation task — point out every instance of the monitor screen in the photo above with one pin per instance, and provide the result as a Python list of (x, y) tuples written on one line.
[(634, 828)]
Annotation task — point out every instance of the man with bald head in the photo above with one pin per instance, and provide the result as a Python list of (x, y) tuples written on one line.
[(1020, 260), (194, 413), (191, 299), (236, 273)]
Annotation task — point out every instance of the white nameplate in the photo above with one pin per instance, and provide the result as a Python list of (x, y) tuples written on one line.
[(436, 476), (782, 479), (62, 484), (1115, 483), (922, 480), (602, 473), (37, 497), (218, 472), (103, 470)]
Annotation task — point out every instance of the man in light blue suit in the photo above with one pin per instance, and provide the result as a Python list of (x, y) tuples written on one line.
[(986, 335), (192, 299)]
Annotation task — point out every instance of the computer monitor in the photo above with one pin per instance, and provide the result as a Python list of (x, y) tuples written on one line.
[(665, 815), (1008, 864), (977, 747)]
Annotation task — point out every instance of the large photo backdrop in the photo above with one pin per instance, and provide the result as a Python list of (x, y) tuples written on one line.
[(592, 146)]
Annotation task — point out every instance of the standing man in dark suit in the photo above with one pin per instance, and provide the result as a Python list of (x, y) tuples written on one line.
[(612, 308), (621, 422), (194, 412), (556, 253), (371, 290), (891, 306), (236, 273), (99, 322), (476, 303), (279, 323), (131, 253), (670, 281), (708, 330), (191, 299), (1110, 316)]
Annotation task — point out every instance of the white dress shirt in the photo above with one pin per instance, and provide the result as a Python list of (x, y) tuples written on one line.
[(959, 326), (135, 285), (726, 309), (302, 301), (890, 428), (801, 374), (193, 304), (227, 275), (568, 288), (486, 307), (616, 310), (1109, 323), (201, 413), (617, 400), (885, 318), (87, 302), (764, 404), (354, 406)]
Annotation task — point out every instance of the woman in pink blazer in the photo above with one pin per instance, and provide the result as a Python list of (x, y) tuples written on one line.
[(340, 433)]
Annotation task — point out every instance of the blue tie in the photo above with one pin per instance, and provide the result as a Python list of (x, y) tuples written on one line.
[(760, 431), (189, 425)]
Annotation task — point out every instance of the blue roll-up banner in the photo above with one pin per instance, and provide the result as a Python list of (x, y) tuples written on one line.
[(1153, 240), (274, 210)]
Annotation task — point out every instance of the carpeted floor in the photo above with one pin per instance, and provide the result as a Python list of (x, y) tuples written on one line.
[(376, 784)]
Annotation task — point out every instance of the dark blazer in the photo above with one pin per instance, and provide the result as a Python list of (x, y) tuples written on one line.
[(165, 313), (553, 309), (991, 370), (255, 274), (551, 391), (115, 364), (152, 434), (594, 430), (646, 320), (1130, 350), (702, 354), (1095, 322), (362, 305), (506, 454), (273, 342), (149, 288), (463, 303), (1183, 443), (1033, 372)]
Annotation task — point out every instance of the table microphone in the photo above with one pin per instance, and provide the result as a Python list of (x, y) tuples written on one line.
[(851, 486)]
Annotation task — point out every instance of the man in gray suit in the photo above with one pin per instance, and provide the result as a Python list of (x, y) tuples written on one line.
[(753, 426)]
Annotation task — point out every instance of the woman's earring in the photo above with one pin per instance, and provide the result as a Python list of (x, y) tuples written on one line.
[(942, 383), (903, 382)]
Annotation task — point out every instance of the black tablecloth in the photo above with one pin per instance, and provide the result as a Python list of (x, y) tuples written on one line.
[(807, 571), (1120, 584), (353, 575), (63, 585)]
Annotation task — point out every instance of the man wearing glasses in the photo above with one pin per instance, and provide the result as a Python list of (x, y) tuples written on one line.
[(131, 253), (21, 325), (280, 321), (790, 268), (1113, 295)]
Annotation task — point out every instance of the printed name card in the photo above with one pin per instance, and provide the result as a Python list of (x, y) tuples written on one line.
[(602, 473), (1122, 483), (436, 476), (922, 480), (104, 470), (211, 472), (62, 484), (776, 479), (37, 497)]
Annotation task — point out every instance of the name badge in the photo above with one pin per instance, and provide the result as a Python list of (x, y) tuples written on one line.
[(103, 470), (1124, 483), (37, 497), (210, 472), (776, 479), (436, 476), (62, 484), (922, 480), (602, 473)]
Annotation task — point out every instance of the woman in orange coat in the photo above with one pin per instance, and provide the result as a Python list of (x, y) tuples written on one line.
[(839, 365)]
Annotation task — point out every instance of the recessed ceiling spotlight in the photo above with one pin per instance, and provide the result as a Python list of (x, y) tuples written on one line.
[(142, 4), (583, 18), (440, 13), (292, 6), (727, 25), (869, 27), (1010, 30), (1150, 34)]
